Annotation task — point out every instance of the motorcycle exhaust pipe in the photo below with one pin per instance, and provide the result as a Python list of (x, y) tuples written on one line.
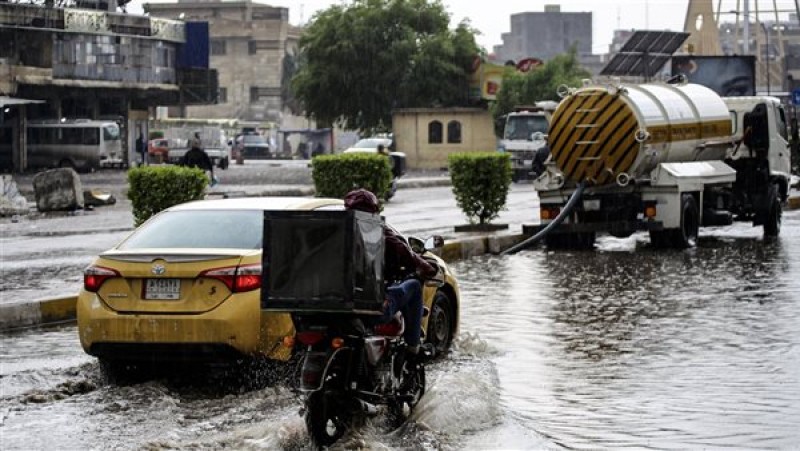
[(367, 408)]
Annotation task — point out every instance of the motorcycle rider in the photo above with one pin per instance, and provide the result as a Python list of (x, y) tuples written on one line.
[(404, 295)]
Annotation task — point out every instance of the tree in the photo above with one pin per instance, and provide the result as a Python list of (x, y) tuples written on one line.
[(539, 84), (361, 60)]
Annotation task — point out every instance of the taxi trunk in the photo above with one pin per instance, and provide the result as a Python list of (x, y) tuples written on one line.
[(172, 282)]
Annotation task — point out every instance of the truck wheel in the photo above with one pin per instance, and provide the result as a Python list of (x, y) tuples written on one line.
[(772, 225), (686, 235), (223, 164)]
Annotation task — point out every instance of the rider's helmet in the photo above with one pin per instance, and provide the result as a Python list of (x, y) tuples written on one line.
[(362, 200)]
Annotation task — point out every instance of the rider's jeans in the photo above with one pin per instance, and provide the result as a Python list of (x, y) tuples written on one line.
[(407, 298)]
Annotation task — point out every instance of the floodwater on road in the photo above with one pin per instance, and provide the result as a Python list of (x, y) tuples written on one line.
[(621, 347)]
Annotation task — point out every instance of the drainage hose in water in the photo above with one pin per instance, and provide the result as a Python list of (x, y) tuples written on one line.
[(576, 196)]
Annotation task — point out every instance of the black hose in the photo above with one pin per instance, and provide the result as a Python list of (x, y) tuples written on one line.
[(571, 203)]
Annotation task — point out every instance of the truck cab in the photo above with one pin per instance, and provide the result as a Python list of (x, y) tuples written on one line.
[(525, 140)]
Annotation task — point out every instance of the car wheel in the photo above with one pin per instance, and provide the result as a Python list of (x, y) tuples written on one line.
[(66, 163), (440, 323)]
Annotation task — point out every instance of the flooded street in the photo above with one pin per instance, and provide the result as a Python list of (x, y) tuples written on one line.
[(621, 347)]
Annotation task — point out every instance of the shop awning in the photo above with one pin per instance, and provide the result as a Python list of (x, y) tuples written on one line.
[(11, 101)]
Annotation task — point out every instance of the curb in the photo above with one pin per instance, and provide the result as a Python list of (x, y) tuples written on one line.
[(63, 309), (45, 311)]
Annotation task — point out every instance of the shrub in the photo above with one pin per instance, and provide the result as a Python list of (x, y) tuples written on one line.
[(480, 183), (155, 188), (336, 175)]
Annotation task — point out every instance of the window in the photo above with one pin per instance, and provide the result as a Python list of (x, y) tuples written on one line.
[(454, 132), (110, 133), (71, 136), (781, 124), (228, 229), (258, 93), (222, 97), (261, 45), (91, 136), (435, 132), (218, 47)]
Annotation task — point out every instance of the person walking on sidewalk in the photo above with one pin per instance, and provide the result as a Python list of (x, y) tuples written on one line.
[(196, 157)]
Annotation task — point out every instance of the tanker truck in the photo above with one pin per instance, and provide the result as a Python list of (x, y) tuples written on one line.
[(662, 158)]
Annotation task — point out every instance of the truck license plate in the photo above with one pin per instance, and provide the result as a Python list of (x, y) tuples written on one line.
[(591, 205), (162, 289)]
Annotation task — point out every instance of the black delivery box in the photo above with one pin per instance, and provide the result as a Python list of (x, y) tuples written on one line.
[(322, 261)]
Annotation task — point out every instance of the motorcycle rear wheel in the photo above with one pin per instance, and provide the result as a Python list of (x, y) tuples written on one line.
[(409, 395), (326, 420)]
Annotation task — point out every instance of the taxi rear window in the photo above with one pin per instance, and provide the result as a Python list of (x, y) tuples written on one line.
[(209, 229)]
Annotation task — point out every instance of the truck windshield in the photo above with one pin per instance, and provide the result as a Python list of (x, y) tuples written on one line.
[(111, 133), (521, 127)]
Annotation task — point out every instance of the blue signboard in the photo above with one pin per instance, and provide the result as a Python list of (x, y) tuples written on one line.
[(796, 96)]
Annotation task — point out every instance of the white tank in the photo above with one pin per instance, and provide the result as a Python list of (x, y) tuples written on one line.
[(601, 133)]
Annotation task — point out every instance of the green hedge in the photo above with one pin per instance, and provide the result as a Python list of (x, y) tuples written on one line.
[(336, 175), (155, 188), (480, 183)]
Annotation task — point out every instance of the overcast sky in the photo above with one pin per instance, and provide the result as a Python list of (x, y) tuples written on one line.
[(492, 17)]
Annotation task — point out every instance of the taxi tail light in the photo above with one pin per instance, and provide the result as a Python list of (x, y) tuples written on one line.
[(238, 279), (95, 276)]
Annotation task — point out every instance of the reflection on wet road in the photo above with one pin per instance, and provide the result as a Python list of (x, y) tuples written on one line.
[(624, 346), (628, 346)]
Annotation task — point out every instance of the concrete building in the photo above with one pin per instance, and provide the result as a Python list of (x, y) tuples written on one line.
[(429, 135), (72, 63), (546, 34), (253, 49)]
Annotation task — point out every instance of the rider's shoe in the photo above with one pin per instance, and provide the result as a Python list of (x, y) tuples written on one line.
[(425, 353)]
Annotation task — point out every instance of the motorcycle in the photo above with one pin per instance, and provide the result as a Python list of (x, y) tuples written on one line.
[(352, 367)]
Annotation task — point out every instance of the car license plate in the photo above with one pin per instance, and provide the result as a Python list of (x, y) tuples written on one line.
[(162, 289)]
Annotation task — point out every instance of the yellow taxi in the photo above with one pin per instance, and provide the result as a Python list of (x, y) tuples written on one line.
[(186, 287)]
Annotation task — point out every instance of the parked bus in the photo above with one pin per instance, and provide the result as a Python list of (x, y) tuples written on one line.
[(83, 145)]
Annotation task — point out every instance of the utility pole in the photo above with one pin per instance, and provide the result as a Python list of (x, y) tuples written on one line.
[(746, 28)]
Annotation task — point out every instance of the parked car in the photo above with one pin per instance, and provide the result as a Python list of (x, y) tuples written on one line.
[(370, 145), (158, 149), (398, 159), (254, 147), (186, 287)]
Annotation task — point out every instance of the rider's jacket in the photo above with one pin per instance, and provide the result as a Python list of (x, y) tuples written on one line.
[(400, 260)]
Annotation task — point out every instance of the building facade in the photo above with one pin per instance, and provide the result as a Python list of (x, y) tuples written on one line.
[(546, 34), (428, 135), (253, 48), (63, 64)]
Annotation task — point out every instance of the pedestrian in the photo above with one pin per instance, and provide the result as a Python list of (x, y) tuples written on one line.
[(141, 148), (196, 157)]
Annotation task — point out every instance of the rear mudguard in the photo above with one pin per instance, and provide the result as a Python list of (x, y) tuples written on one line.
[(317, 366)]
